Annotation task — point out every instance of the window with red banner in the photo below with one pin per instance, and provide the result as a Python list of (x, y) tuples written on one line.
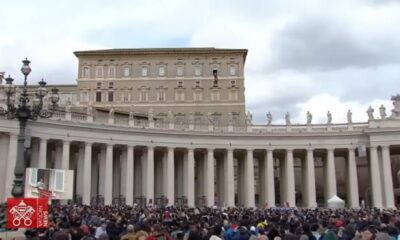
[(27, 213)]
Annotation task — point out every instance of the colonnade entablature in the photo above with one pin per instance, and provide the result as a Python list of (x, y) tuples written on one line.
[(248, 166), (237, 158)]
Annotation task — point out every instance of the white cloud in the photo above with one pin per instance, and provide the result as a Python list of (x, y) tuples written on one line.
[(320, 104)]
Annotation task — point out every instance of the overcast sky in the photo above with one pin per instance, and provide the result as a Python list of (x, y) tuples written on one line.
[(304, 55)]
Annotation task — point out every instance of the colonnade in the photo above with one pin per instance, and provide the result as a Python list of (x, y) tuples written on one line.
[(218, 176)]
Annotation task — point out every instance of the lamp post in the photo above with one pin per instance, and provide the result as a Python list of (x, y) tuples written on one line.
[(23, 111)]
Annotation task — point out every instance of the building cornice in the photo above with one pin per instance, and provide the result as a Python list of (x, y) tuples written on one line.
[(160, 51)]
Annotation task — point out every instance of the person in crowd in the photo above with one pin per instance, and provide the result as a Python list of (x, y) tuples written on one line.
[(174, 223), (130, 235)]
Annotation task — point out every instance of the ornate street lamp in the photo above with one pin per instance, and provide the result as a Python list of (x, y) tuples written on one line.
[(23, 111)]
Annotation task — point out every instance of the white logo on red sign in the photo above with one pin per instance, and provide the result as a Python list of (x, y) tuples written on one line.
[(22, 212)]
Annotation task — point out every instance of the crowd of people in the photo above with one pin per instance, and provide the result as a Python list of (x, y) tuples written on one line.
[(171, 223)]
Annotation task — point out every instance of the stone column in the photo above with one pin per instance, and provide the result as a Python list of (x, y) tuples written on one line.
[(352, 180), (387, 178), (108, 176), (331, 174), (123, 169), (289, 174), (42, 153), (11, 161), (170, 176), (58, 156), (4, 140), (376, 188), (79, 160), (270, 182), (87, 168), (249, 179), (130, 177), (102, 170), (34, 154), (310, 180), (190, 177), (210, 177), (229, 181), (150, 175), (65, 155)]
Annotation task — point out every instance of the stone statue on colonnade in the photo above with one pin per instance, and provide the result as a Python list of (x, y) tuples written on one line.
[(309, 118), (370, 113), (329, 117), (349, 117), (269, 118), (287, 118), (382, 112), (249, 119)]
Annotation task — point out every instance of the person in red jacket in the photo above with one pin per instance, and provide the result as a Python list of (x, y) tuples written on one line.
[(158, 234)]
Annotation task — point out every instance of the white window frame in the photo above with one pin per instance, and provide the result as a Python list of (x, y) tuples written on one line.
[(233, 95), (232, 70), (62, 172), (179, 96), (197, 70), (99, 72), (101, 96), (125, 96), (143, 96), (179, 71), (126, 71), (198, 96), (215, 95), (111, 71), (84, 96), (144, 71), (161, 71), (85, 72), (161, 96), (33, 175), (113, 96)]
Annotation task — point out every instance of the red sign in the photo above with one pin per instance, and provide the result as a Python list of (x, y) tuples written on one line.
[(27, 213)]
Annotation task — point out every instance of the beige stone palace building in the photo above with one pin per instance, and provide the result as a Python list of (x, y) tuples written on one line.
[(169, 126)]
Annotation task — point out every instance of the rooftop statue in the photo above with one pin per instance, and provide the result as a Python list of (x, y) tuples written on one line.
[(382, 112), (370, 113), (249, 118), (309, 118), (329, 117), (349, 117), (269, 118), (396, 104), (287, 118)]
